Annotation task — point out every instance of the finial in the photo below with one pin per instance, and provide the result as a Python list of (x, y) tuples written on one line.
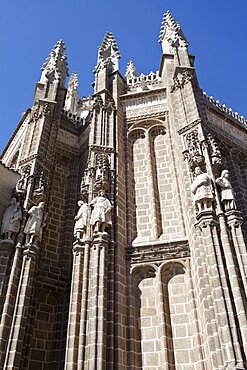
[(171, 32), (73, 81), (130, 70), (55, 66), (108, 53), (71, 101), (109, 43)]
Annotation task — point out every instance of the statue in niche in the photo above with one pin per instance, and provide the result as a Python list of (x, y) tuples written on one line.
[(11, 220), (35, 224), (81, 220), (202, 190), (227, 193), (101, 213)]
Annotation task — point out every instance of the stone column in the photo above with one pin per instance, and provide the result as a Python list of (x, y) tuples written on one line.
[(9, 304), (73, 331), (95, 353), (84, 305), (208, 226), (230, 307), (19, 320), (234, 221), (240, 310), (162, 323)]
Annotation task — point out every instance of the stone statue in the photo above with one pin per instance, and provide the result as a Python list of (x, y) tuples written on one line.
[(35, 224), (11, 220), (227, 193), (101, 213), (81, 220), (202, 190)]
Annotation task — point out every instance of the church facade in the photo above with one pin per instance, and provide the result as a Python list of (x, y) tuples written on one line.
[(123, 241)]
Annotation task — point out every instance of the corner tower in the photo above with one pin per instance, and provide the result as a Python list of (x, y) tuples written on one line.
[(185, 274)]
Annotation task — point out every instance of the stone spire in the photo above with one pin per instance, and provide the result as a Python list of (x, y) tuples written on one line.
[(55, 67), (72, 93), (108, 54), (130, 70), (171, 34)]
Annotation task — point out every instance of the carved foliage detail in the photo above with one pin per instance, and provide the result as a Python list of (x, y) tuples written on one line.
[(181, 79), (194, 152)]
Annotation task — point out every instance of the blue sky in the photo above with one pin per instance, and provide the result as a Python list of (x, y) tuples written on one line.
[(216, 30)]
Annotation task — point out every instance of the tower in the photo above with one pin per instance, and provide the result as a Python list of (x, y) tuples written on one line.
[(124, 246)]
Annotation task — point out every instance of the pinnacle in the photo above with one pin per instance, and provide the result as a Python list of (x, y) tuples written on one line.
[(131, 70), (169, 23), (73, 81), (57, 55), (109, 41)]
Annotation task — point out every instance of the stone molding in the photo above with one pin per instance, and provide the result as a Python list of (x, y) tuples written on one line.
[(154, 252)]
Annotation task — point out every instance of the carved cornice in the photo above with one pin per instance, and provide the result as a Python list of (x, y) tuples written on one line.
[(27, 159), (206, 219), (160, 115), (158, 252), (100, 240), (234, 219), (101, 149), (141, 94), (189, 127)]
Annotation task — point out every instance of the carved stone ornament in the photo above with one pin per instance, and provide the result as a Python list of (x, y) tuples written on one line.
[(40, 180), (108, 54), (130, 70), (181, 79), (214, 151), (21, 187), (84, 188), (81, 220), (35, 224), (101, 212), (158, 252), (194, 152), (171, 32), (102, 172), (55, 67), (226, 191), (47, 110), (98, 103), (109, 105), (202, 191), (11, 220)]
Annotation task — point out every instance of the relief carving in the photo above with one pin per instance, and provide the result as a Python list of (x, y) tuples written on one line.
[(181, 79), (194, 152)]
